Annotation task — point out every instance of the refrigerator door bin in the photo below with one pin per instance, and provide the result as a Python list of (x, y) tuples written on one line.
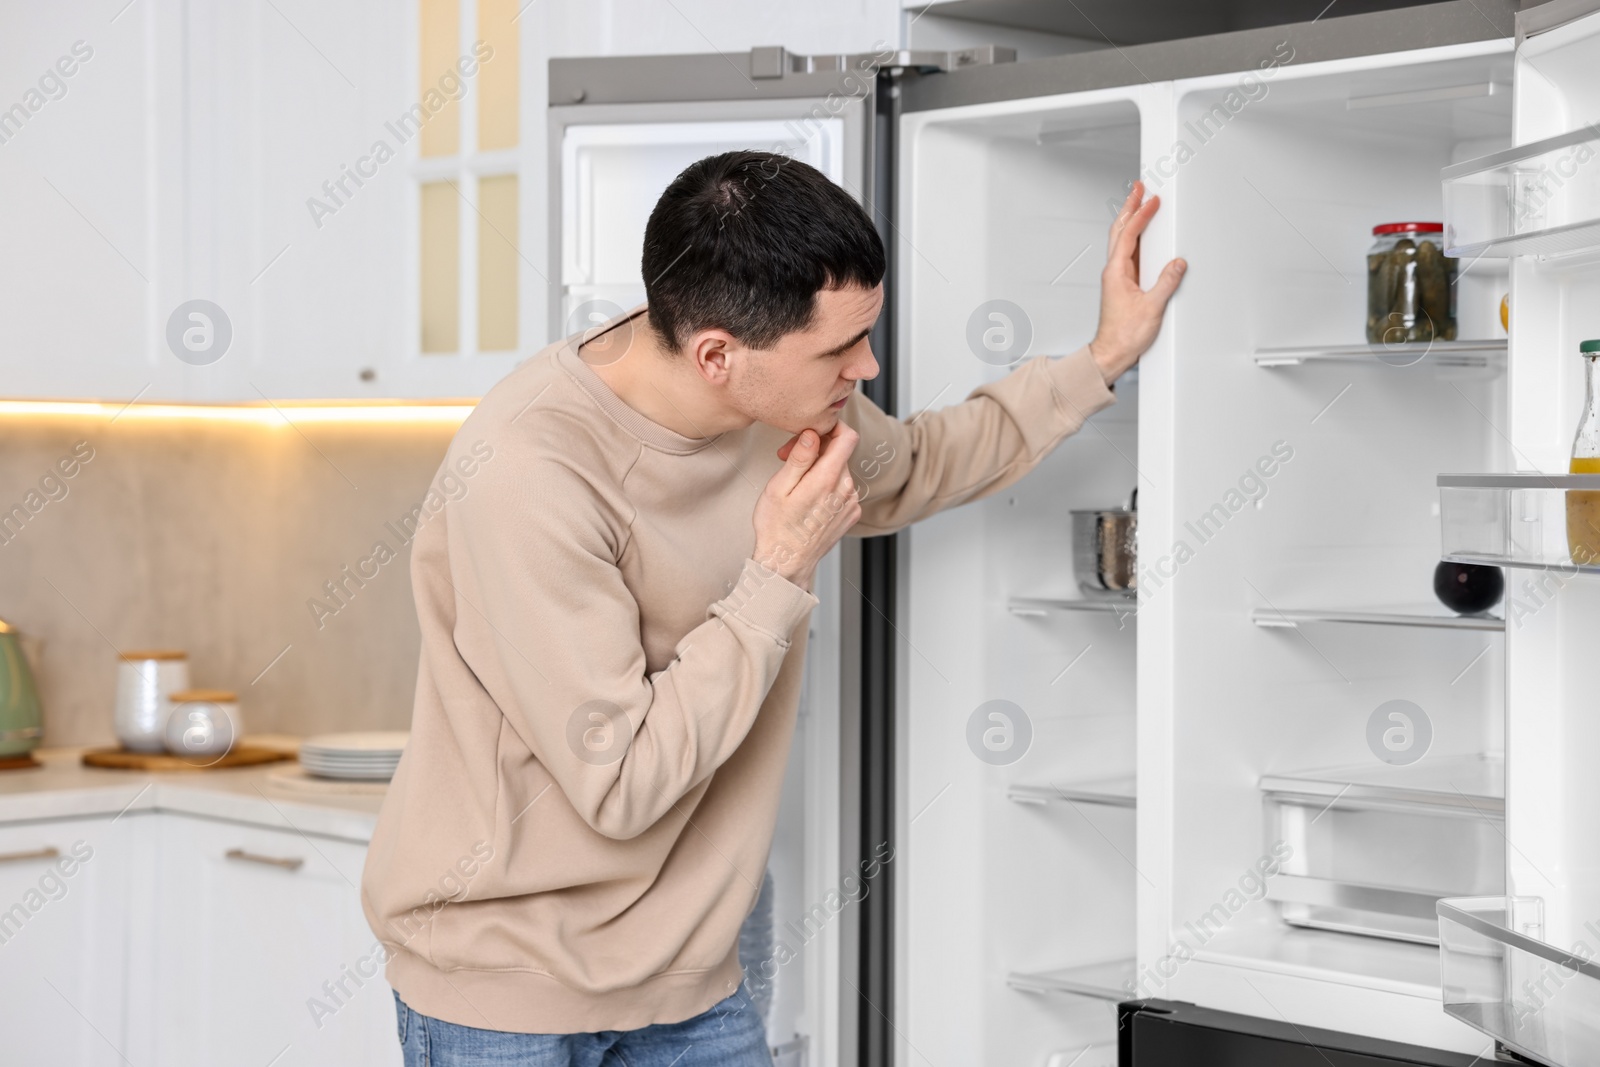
[(1535, 999), (1521, 520), (1532, 200), (1371, 851)]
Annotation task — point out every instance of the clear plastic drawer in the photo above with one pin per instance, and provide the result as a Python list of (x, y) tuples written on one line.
[(1535, 199), (1373, 849), (1539, 1001), (1521, 520)]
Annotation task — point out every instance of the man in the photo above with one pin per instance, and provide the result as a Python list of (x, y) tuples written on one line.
[(614, 612)]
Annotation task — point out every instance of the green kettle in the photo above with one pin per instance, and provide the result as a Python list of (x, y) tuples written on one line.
[(20, 728)]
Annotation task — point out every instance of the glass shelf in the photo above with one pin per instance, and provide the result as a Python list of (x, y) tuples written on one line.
[(1112, 980), (1521, 520), (1292, 618), (1040, 606), (1114, 793), (1537, 1000), (1438, 353), (1532, 200), (1472, 784)]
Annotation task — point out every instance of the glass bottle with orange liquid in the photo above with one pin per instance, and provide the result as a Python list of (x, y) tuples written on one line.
[(1583, 505)]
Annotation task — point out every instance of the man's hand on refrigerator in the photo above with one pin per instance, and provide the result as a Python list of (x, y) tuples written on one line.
[(1130, 317)]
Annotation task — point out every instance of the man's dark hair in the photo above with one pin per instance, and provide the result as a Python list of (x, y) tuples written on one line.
[(744, 241)]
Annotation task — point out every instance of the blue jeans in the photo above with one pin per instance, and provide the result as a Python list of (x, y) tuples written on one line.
[(728, 1034)]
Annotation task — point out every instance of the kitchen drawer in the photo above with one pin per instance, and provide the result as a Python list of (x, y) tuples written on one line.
[(264, 952), (64, 923)]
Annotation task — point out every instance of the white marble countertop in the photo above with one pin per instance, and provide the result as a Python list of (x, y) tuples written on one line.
[(64, 788)]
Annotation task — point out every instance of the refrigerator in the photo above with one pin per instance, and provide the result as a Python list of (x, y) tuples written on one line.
[(1281, 786)]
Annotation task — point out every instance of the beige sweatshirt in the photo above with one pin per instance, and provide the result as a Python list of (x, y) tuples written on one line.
[(608, 687)]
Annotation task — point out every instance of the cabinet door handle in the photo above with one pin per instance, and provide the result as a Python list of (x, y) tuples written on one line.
[(288, 863), (49, 852)]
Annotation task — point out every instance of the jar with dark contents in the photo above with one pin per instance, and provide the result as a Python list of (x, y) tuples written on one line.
[(1411, 292)]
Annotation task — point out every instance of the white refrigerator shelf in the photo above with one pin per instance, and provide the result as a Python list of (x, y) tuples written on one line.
[(1112, 980), (1043, 605), (1434, 618), (1111, 793), (1474, 784), (1437, 353)]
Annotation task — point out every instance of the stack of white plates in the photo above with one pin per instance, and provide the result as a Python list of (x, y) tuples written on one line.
[(357, 757)]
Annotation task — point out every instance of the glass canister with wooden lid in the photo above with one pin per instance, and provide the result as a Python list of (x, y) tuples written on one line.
[(145, 681)]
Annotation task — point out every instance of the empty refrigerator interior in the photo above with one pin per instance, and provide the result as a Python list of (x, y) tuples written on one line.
[(1306, 528), (1017, 885)]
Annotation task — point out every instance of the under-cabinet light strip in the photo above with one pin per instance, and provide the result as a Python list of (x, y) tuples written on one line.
[(262, 414)]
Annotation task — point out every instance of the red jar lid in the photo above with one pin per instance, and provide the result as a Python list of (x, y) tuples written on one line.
[(1407, 227)]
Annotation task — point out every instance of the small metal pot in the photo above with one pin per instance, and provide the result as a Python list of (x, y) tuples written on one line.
[(1103, 551)]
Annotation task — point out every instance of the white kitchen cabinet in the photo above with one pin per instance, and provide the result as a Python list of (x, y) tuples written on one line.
[(262, 945), (80, 155), (179, 161), (64, 922)]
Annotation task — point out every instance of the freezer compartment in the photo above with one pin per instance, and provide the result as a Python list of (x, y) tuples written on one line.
[(1496, 974), (605, 163), (1371, 850), (1521, 520), (1538, 199)]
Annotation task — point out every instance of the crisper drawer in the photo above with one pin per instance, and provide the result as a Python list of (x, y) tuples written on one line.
[(1371, 851)]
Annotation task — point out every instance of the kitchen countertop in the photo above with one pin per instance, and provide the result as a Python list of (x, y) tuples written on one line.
[(65, 788)]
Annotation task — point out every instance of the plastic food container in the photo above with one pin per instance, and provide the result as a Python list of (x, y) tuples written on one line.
[(1411, 293)]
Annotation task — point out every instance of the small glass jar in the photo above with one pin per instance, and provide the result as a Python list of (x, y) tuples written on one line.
[(203, 723), (1411, 291)]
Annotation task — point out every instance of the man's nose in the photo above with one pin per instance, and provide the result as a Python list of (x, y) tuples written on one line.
[(864, 369)]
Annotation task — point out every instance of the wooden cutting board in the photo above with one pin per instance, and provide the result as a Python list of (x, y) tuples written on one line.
[(122, 759)]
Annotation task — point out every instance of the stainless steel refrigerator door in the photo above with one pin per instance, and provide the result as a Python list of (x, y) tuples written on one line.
[(619, 130)]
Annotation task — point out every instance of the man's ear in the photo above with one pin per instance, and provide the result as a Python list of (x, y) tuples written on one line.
[(710, 351)]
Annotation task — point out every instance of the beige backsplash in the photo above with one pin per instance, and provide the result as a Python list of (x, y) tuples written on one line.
[(212, 536)]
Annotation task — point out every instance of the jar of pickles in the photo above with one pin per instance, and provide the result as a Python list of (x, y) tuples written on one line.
[(1411, 292)]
